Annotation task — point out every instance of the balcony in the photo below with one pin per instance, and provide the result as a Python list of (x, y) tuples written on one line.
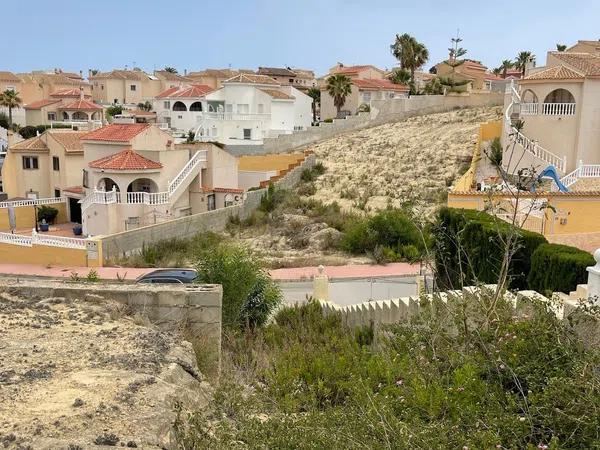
[(232, 116), (548, 109)]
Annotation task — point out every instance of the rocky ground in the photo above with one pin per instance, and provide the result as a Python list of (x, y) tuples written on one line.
[(77, 375), (414, 160)]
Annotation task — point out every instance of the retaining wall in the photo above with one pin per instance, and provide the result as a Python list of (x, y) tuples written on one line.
[(196, 308), (127, 242), (382, 111)]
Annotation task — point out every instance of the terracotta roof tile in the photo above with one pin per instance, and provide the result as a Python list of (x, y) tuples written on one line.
[(353, 69), (75, 92), (125, 160), (586, 63), (555, 73), (70, 140), (9, 76), (252, 79), (171, 76), (75, 189), (222, 190), (122, 132), (32, 144), (41, 103), (193, 91), (276, 71), (122, 74), (81, 105), (379, 85), (278, 94)]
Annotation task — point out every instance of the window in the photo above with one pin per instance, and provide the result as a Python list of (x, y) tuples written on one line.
[(247, 133), (229, 108), (132, 87), (291, 80), (56, 193), (101, 87), (167, 104), (56, 163), (85, 179), (30, 162), (51, 116)]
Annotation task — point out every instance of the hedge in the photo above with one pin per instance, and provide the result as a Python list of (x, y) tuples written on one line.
[(558, 268), (468, 249)]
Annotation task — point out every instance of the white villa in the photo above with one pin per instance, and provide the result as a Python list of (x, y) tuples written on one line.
[(134, 175), (249, 108), (558, 104), (181, 108)]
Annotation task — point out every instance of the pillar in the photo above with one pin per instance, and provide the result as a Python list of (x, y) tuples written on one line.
[(594, 280), (321, 285)]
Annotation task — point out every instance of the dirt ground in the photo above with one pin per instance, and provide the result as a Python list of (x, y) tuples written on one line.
[(78, 375)]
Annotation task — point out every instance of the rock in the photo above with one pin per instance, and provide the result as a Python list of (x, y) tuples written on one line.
[(325, 238)]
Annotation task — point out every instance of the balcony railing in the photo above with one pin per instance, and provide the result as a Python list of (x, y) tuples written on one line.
[(530, 109), (232, 116), (558, 109)]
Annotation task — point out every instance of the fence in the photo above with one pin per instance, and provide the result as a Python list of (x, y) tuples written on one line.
[(25, 212)]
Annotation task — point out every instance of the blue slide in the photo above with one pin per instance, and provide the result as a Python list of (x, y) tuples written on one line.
[(550, 172)]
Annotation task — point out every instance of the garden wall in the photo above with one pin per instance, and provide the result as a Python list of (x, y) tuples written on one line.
[(127, 242)]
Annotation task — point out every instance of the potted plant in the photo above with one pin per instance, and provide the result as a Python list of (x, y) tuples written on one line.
[(44, 226), (77, 230), (47, 214)]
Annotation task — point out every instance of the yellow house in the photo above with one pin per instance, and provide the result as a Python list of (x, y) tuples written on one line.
[(39, 85), (46, 166), (125, 87)]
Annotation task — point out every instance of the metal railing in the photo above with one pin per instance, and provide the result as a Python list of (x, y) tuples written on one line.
[(33, 202), (558, 109)]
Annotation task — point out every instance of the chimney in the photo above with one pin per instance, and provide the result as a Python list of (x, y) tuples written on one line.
[(81, 74), (81, 93), (184, 72), (89, 73)]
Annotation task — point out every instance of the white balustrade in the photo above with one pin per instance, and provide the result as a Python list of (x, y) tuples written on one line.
[(33, 202), (43, 239), (538, 151), (558, 109), (15, 239), (583, 171), (186, 170), (529, 109), (233, 116)]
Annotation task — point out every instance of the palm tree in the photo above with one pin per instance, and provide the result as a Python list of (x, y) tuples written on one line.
[(10, 99), (410, 53), (145, 106), (523, 58), (339, 87), (506, 64), (497, 71), (315, 94), (170, 69), (561, 47), (400, 76)]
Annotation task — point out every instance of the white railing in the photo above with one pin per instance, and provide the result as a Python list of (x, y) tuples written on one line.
[(540, 152), (233, 116), (146, 198), (162, 125), (76, 123), (584, 171), (558, 109), (33, 202), (198, 157), (43, 239), (530, 109)]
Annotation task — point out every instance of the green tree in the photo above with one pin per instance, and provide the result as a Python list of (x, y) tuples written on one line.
[(10, 99), (523, 58), (400, 76), (561, 47), (145, 106), (315, 94), (497, 71), (434, 87), (170, 69), (339, 87), (506, 64), (454, 60), (410, 53), (113, 110)]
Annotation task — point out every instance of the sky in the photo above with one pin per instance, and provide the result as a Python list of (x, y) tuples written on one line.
[(312, 34)]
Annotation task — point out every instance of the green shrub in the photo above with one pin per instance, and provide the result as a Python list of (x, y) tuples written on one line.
[(4, 120), (495, 152), (28, 132), (47, 213), (328, 120), (558, 268), (307, 175), (249, 295), (113, 110), (468, 249), (319, 169)]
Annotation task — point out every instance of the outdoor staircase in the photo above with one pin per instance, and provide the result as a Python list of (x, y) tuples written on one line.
[(176, 187)]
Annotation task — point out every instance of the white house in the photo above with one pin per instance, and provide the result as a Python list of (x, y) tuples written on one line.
[(248, 108), (181, 107)]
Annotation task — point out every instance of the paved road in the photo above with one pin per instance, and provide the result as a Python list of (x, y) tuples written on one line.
[(350, 292)]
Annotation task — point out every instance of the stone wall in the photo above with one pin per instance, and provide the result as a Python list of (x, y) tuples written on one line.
[(382, 111), (194, 307), (127, 242)]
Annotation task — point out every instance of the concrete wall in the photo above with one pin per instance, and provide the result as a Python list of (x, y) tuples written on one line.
[(382, 111), (125, 243), (43, 255), (25, 216), (195, 307)]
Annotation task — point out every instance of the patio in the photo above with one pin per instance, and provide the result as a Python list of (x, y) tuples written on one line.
[(60, 229)]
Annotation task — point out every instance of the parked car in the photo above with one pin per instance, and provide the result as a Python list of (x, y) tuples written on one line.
[(181, 276)]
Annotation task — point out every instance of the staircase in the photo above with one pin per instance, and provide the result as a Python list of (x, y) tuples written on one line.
[(539, 153), (587, 171), (186, 175)]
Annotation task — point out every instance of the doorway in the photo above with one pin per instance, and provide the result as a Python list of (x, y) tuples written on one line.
[(74, 210), (212, 204)]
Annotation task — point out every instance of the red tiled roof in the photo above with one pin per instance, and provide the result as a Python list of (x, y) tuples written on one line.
[(121, 132), (587, 63), (274, 93), (125, 160), (74, 189), (251, 78), (379, 85), (554, 73), (81, 105), (222, 190), (195, 90), (41, 103), (75, 92), (353, 69)]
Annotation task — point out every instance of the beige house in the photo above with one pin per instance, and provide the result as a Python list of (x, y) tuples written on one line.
[(585, 47), (10, 82), (39, 85), (130, 87), (558, 104), (368, 83), (70, 106), (301, 79), (478, 76), (48, 165), (135, 175), (214, 78)]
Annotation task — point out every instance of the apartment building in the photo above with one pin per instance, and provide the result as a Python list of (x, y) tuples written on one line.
[(249, 108)]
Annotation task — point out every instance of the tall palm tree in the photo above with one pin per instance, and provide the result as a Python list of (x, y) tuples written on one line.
[(10, 99), (497, 71), (170, 69), (339, 87), (523, 58), (315, 94), (400, 76), (506, 64), (561, 47), (410, 53)]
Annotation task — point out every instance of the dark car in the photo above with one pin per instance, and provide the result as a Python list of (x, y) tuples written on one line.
[(182, 276)]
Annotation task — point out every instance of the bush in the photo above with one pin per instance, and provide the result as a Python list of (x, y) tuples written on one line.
[(328, 120), (495, 152), (249, 295), (558, 268), (47, 213), (28, 132), (3, 120), (468, 249), (113, 110)]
